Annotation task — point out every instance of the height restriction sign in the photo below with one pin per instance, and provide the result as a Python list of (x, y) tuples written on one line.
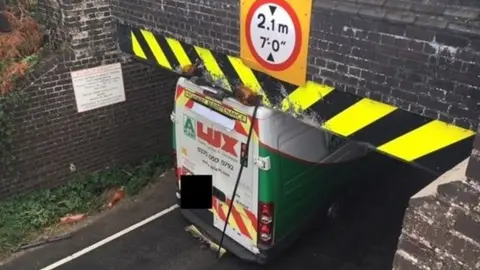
[(274, 37)]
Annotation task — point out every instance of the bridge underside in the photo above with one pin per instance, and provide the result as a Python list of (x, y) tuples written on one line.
[(431, 144)]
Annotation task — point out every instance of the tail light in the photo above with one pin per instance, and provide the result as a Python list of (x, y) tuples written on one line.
[(265, 222)]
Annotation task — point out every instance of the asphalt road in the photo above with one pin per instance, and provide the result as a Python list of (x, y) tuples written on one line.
[(365, 238)]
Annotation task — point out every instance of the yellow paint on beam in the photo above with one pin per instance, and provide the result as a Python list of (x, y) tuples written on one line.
[(358, 116), (425, 140), (305, 96), (137, 49), (156, 49)]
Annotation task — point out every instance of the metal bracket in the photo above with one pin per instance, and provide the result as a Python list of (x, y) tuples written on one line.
[(263, 163)]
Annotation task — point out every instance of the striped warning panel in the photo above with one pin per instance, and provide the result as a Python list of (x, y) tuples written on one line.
[(241, 220), (183, 97), (432, 144)]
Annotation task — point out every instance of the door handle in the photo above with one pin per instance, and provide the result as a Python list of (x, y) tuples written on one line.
[(217, 193)]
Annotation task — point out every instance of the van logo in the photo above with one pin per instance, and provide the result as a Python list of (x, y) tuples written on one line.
[(188, 127), (217, 139)]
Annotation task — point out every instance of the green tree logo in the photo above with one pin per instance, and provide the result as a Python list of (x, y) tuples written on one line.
[(189, 127)]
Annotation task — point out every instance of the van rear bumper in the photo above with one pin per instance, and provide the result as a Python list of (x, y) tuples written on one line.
[(264, 257)]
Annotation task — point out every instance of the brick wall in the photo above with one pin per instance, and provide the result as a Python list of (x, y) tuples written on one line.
[(422, 56), (441, 227), (51, 134)]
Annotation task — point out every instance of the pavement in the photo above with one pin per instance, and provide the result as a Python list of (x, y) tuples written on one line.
[(365, 238)]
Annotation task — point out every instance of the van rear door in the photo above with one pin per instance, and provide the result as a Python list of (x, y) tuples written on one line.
[(211, 139)]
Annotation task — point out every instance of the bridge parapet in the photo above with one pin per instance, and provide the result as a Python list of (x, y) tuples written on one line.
[(442, 223), (375, 49), (426, 66), (395, 86)]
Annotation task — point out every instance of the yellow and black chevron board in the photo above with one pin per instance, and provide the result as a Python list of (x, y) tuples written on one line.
[(431, 144)]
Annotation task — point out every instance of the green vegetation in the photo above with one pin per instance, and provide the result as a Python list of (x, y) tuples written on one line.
[(8, 104), (25, 216), (19, 51)]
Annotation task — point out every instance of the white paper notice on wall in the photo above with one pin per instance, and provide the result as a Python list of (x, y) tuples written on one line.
[(98, 87)]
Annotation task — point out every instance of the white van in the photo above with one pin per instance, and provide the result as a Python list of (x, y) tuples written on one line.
[(291, 169)]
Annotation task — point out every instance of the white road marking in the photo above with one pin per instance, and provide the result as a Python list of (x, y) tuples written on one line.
[(110, 238)]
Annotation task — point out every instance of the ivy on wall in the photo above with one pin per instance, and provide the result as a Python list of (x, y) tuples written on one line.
[(20, 45), (8, 104)]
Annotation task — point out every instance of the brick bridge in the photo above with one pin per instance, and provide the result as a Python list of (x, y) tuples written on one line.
[(408, 68)]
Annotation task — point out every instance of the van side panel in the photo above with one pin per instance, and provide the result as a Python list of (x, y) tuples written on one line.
[(296, 188), (297, 183), (267, 185), (307, 187)]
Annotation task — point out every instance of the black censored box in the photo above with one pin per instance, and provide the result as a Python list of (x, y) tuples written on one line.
[(196, 192)]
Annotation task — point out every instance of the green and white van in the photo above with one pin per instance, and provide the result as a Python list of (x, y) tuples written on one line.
[(293, 171)]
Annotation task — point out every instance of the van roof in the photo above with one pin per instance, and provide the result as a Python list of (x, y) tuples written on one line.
[(262, 112)]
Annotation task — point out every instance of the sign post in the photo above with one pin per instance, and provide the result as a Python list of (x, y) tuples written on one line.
[(274, 37)]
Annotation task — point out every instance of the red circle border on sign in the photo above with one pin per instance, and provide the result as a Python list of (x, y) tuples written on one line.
[(298, 34)]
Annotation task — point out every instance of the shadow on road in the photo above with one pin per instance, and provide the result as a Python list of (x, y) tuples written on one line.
[(366, 236)]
